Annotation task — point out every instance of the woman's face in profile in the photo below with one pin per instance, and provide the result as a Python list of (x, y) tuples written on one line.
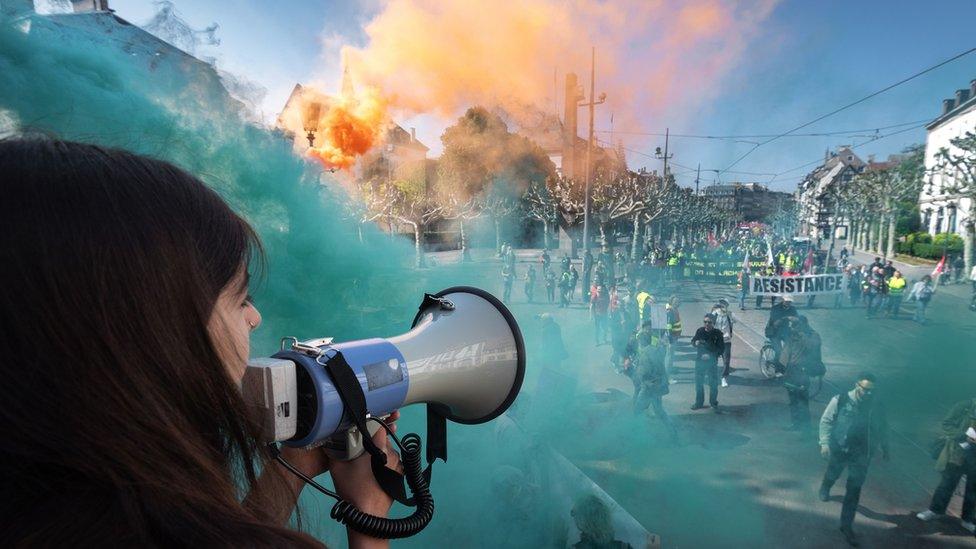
[(234, 317)]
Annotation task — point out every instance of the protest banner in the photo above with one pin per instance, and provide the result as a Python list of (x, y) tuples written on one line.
[(798, 285)]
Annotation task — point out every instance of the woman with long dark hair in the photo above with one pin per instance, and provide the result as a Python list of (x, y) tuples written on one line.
[(124, 333)]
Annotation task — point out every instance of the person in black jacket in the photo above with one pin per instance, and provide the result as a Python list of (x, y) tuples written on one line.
[(710, 344)]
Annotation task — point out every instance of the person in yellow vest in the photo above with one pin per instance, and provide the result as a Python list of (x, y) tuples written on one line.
[(672, 265), (642, 299), (790, 264), (896, 290)]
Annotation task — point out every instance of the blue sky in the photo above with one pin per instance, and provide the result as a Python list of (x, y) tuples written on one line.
[(810, 58)]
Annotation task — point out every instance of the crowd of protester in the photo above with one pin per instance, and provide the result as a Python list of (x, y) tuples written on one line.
[(618, 293)]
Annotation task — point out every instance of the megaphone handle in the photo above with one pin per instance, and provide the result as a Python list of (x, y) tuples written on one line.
[(351, 394)]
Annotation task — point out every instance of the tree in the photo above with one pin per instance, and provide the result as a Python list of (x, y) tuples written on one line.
[(480, 152), (484, 161), (614, 199), (538, 203), (956, 168), (498, 205), (461, 210)]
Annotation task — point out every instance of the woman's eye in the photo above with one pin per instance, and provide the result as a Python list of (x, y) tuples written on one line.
[(249, 300)]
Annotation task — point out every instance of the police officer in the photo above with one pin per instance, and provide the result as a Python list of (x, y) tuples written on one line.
[(852, 427)]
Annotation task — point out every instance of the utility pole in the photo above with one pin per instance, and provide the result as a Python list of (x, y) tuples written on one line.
[(697, 175), (664, 156), (589, 149)]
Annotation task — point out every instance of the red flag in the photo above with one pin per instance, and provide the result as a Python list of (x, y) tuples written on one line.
[(808, 262), (939, 268), (712, 243)]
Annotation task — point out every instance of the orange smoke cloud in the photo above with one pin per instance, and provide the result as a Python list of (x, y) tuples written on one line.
[(343, 127), (442, 56)]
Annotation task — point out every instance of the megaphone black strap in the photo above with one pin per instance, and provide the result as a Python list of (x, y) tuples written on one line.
[(351, 394)]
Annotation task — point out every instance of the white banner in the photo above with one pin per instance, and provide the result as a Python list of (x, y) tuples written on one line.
[(798, 285)]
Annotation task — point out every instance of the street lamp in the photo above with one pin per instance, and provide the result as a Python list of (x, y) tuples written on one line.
[(310, 121), (664, 155)]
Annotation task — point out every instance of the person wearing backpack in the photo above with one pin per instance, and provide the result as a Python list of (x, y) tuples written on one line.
[(852, 427), (802, 359), (922, 292), (957, 458)]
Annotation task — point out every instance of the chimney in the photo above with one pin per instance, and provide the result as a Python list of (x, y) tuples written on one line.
[(413, 135), (570, 109), (962, 96), (948, 105), (82, 6)]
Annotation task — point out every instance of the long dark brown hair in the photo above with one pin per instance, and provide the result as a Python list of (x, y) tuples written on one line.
[(119, 424)]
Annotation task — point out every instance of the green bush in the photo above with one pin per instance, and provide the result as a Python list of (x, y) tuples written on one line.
[(903, 248), (921, 238), (949, 240)]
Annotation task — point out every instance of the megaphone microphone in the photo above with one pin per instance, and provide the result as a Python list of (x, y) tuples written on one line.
[(464, 357)]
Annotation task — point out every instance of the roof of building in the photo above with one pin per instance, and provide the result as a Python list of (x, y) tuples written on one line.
[(958, 109)]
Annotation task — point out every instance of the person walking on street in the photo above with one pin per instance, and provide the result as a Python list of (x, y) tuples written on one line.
[(587, 271), (744, 279), (922, 294), (550, 277), (896, 290), (956, 459), (530, 283), (565, 285), (854, 285), (723, 322), (646, 368), (777, 327), (801, 358), (709, 343), (852, 427), (599, 299), (574, 280), (508, 278), (957, 266), (672, 333)]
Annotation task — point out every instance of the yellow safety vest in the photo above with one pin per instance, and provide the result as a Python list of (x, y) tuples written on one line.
[(641, 300), (896, 286)]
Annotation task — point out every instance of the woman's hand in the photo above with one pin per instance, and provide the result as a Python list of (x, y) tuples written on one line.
[(355, 483), (312, 462), (354, 479)]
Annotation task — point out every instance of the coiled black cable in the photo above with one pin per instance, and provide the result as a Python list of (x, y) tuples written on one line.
[(372, 525), (386, 528)]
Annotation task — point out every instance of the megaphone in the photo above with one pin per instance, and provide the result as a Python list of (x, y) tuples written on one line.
[(464, 356)]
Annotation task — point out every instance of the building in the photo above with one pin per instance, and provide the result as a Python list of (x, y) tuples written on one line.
[(561, 141), (941, 211), (817, 194), (395, 148), (748, 201), (168, 68)]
